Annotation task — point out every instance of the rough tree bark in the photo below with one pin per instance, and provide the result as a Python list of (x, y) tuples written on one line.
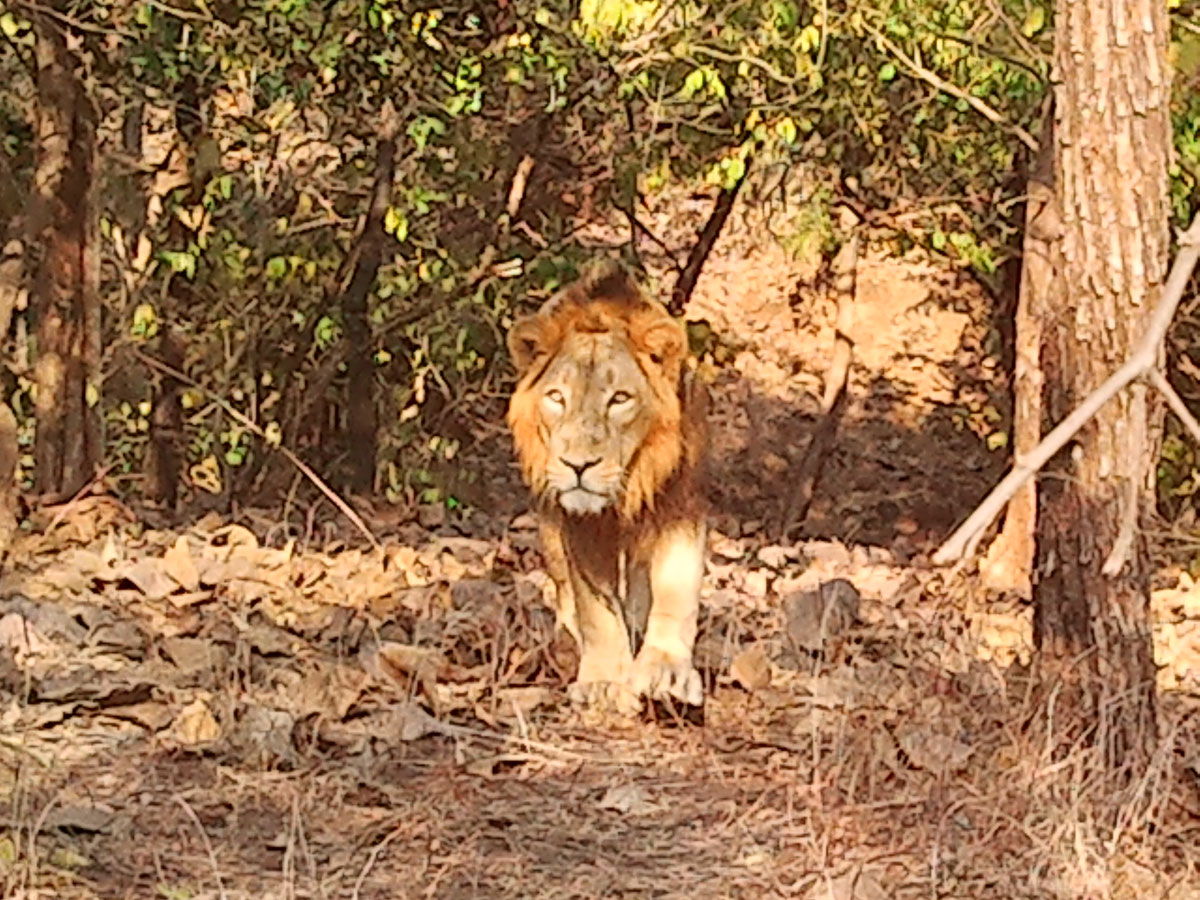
[(1092, 597), (1008, 566), (64, 296), (361, 419)]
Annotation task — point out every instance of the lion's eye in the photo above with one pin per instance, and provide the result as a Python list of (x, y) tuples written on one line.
[(555, 396), (619, 397)]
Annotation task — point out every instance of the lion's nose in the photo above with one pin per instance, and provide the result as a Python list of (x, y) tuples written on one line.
[(578, 467)]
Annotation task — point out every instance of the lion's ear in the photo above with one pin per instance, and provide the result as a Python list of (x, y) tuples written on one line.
[(664, 339), (527, 341)]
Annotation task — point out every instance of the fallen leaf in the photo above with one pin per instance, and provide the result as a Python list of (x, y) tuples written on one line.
[(191, 655), (751, 669), (179, 565), (523, 700), (150, 715), (148, 577), (267, 732), (857, 884), (627, 799), (817, 616), (196, 724), (93, 819), (66, 858), (401, 663), (934, 752), (21, 638)]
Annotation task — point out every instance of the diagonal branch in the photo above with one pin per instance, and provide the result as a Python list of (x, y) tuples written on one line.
[(1142, 362), (690, 274), (954, 90)]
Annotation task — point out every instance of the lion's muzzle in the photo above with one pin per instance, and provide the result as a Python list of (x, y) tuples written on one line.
[(578, 492)]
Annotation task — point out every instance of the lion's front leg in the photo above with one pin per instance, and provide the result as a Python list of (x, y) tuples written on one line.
[(664, 664), (555, 551), (605, 658)]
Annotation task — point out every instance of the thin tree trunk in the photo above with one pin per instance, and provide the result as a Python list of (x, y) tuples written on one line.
[(1008, 566), (361, 424), (1092, 599), (64, 295)]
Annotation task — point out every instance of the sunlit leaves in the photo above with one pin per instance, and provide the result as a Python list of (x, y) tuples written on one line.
[(16, 30), (467, 98), (604, 20), (809, 39), (145, 322), (422, 128), (326, 332), (1035, 20), (705, 81), (182, 262), (395, 223), (276, 268)]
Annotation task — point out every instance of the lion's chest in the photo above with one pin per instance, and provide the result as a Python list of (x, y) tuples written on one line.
[(610, 564)]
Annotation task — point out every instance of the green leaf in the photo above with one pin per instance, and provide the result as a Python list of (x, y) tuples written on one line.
[(887, 72), (810, 38), (1035, 21), (180, 261), (786, 129), (9, 25), (277, 267), (396, 223)]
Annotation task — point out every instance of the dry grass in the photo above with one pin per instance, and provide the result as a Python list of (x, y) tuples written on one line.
[(900, 768)]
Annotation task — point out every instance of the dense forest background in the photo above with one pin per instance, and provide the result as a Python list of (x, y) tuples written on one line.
[(302, 206)]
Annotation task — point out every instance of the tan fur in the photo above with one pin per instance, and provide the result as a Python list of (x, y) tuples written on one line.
[(609, 429)]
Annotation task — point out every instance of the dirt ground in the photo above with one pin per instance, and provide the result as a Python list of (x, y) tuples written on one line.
[(248, 710)]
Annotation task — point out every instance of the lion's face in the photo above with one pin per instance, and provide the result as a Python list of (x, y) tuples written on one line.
[(595, 408), (596, 412)]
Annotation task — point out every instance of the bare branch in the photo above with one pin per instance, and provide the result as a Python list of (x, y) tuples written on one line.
[(254, 429), (1158, 380), (955, 91), (1142, 362)]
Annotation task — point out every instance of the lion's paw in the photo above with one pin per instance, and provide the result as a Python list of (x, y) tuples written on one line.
[(606, 696), (658, 674)]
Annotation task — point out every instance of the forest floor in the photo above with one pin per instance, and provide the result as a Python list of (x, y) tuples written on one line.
[(247, 709)]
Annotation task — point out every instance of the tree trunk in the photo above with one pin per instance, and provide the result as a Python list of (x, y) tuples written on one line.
[(64, 296), (361, 424), (1008, 566), (1092, 600)]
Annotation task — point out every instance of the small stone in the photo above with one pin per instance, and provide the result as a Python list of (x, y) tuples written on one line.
[(814, 617), (431, 516)]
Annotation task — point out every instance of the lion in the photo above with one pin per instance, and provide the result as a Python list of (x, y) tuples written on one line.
[(609, 427)]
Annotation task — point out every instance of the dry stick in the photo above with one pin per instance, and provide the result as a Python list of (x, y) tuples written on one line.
[(1007, 567), (254, 429), (1142, 363), (516, 193), (682, 292), (212, 857), (845, 281), (955, 91), (1158, 380)]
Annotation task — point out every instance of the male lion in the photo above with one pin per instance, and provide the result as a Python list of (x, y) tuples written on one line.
[(609, 428)]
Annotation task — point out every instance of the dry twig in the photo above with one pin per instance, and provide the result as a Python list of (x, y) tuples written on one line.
[(254, 428), (955, 91), (1142, 363)]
